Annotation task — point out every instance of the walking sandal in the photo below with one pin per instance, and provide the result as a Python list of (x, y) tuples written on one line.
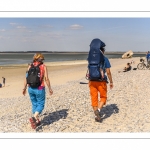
[(33, 122)]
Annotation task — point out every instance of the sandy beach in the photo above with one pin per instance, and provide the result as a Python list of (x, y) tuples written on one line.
[(69, 109)]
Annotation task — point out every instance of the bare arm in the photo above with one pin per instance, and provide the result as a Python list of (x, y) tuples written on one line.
[(25, 87), (48, 81), (109, 77)]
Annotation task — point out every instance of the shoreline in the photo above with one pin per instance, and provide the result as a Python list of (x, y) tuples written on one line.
[(48, 64), (63, 63)]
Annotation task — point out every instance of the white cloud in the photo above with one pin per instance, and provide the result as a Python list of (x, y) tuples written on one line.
[(2, 30), (29, 31), (75, 27), (55, 35), (1, 37), (50, 35), (13, 24), (21, 27), (47, 26)]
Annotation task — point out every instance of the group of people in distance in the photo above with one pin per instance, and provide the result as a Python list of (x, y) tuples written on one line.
[(128, 66)]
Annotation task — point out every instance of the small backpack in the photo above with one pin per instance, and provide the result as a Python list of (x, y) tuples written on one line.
[(33, 77), (96, 61)]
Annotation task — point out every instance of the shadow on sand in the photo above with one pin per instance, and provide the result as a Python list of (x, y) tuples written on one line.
[(52, 117), (107, 111)]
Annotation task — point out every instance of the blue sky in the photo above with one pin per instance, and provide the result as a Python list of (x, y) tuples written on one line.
[(74, 34)]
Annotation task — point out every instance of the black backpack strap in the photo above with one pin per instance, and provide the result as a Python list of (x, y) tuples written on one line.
[(32, 65)]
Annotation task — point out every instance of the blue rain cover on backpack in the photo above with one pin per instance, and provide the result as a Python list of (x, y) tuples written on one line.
[(95, 60)]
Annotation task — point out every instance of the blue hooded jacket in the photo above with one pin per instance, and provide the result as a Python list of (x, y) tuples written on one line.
[(148, 56)]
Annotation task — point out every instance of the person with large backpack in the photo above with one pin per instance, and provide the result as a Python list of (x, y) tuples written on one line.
[(98, 65), (36, 75)]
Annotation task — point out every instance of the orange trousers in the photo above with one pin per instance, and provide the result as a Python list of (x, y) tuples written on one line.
[(95, 88)]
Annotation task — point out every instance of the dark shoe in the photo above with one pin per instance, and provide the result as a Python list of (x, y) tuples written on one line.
[(98, 118), (38, 123)]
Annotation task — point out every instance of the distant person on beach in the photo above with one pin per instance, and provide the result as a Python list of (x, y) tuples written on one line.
[(0, 85), (4, 81), (147, 52), (133, 65), (126, 68), (148, 57), (37, 94), (100, 87), (132, 62)]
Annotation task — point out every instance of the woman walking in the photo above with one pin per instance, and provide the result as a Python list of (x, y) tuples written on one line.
[(36, 87)]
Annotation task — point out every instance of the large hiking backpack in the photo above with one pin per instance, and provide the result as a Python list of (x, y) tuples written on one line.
[(95, 60), (33, 77)]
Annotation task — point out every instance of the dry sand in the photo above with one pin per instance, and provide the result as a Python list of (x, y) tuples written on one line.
[(69, 108)]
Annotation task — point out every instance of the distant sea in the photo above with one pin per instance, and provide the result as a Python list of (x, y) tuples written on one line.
[(23, 58)]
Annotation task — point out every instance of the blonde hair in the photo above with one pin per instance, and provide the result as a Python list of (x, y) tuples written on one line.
[(38, 56)]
